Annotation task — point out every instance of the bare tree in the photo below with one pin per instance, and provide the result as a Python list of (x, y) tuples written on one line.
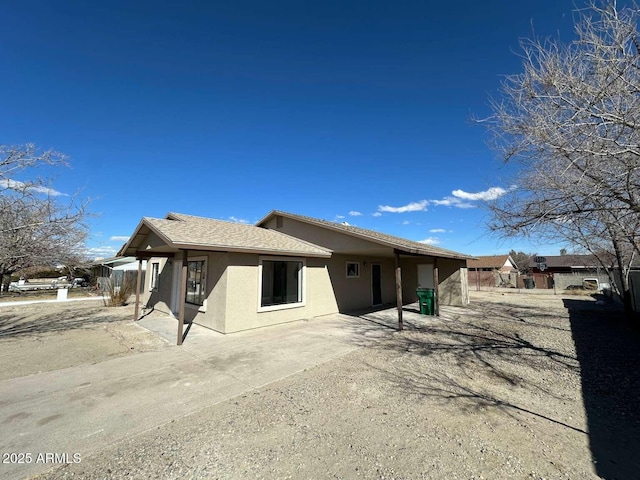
[(571, 123), (38, 225), (522, 261)]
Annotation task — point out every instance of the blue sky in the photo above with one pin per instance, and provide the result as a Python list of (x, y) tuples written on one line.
[(356, 111)]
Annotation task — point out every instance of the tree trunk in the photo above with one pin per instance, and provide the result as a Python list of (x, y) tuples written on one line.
[(5, 280), (628, 306)]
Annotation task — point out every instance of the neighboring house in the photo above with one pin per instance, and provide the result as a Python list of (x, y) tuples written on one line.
[(115, 267), (492, 271), (104, 266), (567, 271), (492, 263), (230, 276), (565, 264)]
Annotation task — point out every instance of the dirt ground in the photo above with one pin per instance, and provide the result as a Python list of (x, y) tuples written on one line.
[(513, 386), (50, 336)]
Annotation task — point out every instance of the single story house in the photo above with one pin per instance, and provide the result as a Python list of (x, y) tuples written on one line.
[(102, 267), (230, 276), (567, 271), (114, 268), (492, 271), (583, 264), (492, 263)]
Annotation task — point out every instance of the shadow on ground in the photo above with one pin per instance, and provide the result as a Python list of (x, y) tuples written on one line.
[(19, 322), (608, 350), (488, 354)]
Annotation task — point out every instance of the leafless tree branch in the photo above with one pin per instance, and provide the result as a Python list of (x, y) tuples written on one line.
[(38, 226), (571, 122)]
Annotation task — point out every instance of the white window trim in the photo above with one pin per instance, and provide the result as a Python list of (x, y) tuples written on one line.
[(193, 306), (346, 270), (284, 306), (156, 277)]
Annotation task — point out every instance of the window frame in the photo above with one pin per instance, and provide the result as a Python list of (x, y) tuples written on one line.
[(346, 269), (302, 287), (203, 284), (155, 274)]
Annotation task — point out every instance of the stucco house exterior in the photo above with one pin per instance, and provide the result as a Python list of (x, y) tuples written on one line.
[(229, 276)]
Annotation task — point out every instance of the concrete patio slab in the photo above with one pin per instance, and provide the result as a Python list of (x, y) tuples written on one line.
[(85, 408)]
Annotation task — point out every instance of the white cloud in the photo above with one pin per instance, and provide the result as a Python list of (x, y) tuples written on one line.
[(119, 238), (376, 214), (17, 185), (406, 222), (237, 220), (460, 199), (103, 251), (420, 206), (339, 216), (354, 213), (491, 194), (452, 202), (430, 241), (437, 230)]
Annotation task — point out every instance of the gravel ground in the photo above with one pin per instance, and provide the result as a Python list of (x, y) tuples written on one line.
[(514, 386), (49, 336)]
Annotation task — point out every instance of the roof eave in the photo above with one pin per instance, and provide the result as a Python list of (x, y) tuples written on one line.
[(144, 223), (251, 250), (413, 251)]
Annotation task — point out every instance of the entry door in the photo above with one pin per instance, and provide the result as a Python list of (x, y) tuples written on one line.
[(376, 284), (425, 276)]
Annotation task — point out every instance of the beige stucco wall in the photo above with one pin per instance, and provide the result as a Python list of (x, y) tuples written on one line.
[(450, 278), (243, 294), (213, 313), (151, 241), (324, 237), (356, 293), (232, 292), (350, 293), (353, 295), (327, 291), (464, 284), (232, 282), (159, 298)]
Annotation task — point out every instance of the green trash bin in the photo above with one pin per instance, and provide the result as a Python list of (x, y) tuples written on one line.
[(427, 300)]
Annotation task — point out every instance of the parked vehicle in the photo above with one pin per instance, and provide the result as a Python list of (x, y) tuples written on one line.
[(26, 286), (79, 282)]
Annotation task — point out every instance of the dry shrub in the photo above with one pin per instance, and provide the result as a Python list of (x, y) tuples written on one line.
[(115, 295)]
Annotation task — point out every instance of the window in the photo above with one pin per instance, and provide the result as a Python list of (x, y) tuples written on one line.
[(195, 282), (353, 270), (281, 282), (155, 271)]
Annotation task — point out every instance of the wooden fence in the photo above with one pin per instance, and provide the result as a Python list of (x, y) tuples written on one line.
[(545, 281)]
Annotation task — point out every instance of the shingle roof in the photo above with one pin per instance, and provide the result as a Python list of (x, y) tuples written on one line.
[(566, 261), (408, 246), (187, 231), (490, 261)]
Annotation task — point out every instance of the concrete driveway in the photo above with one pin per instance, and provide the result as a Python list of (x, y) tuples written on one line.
[(79, 410)]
